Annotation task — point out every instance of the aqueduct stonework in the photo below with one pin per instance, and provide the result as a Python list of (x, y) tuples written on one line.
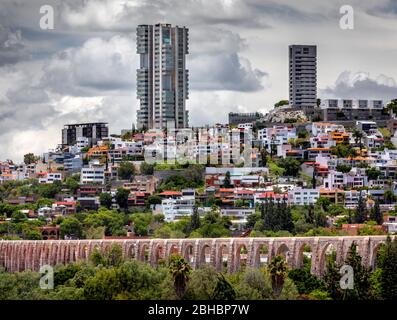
[(220, 252)]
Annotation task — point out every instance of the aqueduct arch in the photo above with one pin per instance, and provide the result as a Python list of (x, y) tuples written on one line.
[(28, 254)]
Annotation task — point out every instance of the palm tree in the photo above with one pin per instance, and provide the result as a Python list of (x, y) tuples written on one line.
[(278, 273), (180, 270), (358, 137)]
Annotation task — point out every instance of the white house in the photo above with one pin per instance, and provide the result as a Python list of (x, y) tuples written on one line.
[(94, 174), (301, 196), (50, 177), (175, 209)]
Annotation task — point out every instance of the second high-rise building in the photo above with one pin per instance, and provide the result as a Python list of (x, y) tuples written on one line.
[(162, 79), (302, 76)]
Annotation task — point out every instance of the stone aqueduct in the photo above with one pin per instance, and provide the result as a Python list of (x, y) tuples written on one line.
[(222, 253)]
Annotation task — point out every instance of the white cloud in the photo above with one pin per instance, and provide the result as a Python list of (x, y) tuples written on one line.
[(96, 67)]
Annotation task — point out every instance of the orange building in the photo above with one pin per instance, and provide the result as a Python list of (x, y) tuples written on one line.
[(340, 137)]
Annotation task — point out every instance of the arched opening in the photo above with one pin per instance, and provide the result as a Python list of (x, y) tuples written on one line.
[(189, 254), (173, 250), (262, 256), (159, 254), (74, 255), (205, 257), (144, 254), (84, 253), (328, 257), (241, 257), (305, 256), (131, 251), (283, 251), (96, 249)]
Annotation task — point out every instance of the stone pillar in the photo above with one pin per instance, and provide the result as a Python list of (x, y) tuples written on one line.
[(250, 253), (316, 263), (365, 251), (271, 251), (231, 257), (213, 256), (197, 254)]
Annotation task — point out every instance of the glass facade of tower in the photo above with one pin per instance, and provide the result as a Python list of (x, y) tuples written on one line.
[(162, 79)]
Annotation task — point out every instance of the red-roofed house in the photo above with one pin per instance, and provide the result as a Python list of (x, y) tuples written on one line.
[(270, 195), (170, 194)]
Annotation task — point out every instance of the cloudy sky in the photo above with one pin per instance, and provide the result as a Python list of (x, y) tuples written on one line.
[(84, 69)]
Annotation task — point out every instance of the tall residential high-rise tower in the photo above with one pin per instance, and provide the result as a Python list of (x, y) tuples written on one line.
[(162, 79), (302, 76)]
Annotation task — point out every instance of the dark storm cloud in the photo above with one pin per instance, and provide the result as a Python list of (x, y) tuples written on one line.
[(387, 9)]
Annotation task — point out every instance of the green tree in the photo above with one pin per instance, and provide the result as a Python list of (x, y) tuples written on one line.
[(360, 215), (304, 280), (376, 215), (223, 289), (392, 106), (73, 183), (195, 220), (332, 277), (281, 103), (104, 285), (18, 216), (290, 165), (227, 183), (154, 199), (180, 270), (343, 168), (96, 258), (114, 257), (373, 173), (387, 263), (324, 203), (71, 228), (361, 289), (314, 180), (278, 273), (111, 220), (141, 223), (264, 155), (49, 190), (358, 137), (122, 198), (106, 200), (343, 150), (147, 168), (29, 158), (126, 170)]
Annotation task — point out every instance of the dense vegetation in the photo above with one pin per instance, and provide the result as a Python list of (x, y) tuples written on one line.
[(110, 276)]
